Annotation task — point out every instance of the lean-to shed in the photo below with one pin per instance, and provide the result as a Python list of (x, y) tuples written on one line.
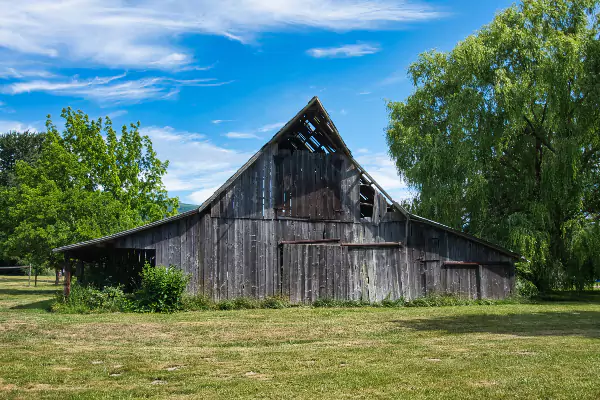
[(302, 219)]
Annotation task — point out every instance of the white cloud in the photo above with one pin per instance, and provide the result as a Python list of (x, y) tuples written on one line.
[(117, 114), (394, 78), (110, 89), (349, 50), (241, 135), (364, 93), (271, 127), (254, 134), (7, 126), (383, 169), (145, 33), (7, 72), (196, 164), (220, 121)]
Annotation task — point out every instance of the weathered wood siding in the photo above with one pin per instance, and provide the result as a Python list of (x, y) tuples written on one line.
[(431, 247), (233, 248)]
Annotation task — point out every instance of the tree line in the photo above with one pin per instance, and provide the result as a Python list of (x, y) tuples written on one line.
[(86, 181)]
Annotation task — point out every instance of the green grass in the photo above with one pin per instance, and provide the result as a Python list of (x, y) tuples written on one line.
[(547, 350)]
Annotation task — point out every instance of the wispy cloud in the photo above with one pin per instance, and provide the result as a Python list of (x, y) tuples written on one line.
[(383, 169), (7, 72), (117, 114), (254, 133), (364, 93), (110, 89), (220, 121), (197, 166), (394, 78), (145, 33), (348, 50), (271, 127), (241, 135)]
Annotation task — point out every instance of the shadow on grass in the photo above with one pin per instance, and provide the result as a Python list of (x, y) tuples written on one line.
[(28, 292), (36, 305), (587, 296), (575, 323)]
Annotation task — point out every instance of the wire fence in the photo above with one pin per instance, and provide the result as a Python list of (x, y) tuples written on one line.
[(20, 267)]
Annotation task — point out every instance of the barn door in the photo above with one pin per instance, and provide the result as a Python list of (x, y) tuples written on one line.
[(461, 280), (318, 271), (374, 273)]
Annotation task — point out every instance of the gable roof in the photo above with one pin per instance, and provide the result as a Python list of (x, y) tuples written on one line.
[(319, 126)]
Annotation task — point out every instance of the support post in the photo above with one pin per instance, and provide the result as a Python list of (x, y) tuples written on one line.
[(67, 289)]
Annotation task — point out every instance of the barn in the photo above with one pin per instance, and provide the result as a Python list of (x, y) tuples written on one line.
[(302, 219)]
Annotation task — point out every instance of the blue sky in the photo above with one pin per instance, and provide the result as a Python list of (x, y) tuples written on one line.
[(211, 81)]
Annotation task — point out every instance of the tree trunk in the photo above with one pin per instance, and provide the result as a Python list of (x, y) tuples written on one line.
[(35, 279), (57, 274), (538, 167)]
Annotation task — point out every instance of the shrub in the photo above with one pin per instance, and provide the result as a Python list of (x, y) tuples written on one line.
[(275, 302), (161, 289), (437, 300), (329, 303), (526, 288), (241, 303), (86, 299), (393, 303), (197, 303)]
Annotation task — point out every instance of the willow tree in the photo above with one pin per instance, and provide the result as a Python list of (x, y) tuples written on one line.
[(87, 182), (501, 137)]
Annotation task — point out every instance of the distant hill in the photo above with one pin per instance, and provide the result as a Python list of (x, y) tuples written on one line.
[(183, 207)]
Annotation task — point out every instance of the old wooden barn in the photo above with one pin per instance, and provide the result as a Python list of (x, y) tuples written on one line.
[(304, 220)]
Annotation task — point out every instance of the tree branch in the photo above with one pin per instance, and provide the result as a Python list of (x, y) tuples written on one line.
[(542, 139)]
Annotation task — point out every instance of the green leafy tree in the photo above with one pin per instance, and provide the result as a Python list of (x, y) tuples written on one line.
[(88, 182), (501, 137), (14, 146)]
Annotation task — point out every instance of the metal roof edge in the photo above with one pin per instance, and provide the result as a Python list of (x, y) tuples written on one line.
[(124, 233)]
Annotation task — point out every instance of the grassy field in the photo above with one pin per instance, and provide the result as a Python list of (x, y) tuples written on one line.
[(547, 351)]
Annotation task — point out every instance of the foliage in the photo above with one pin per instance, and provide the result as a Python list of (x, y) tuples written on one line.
[(201, 303), (87, 299), (17, 146), (329, 303), (275, 302), (501, 137), (197, 303), (14, 147), (161, 289), (86, 183), (526, 289)]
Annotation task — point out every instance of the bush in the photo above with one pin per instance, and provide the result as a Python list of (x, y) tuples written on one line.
[(329, 303), (86, 299), (161, 289), (275, 302), (197, 303), (393, 303), (526, 288)]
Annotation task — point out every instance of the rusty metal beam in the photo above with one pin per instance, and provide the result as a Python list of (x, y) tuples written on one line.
[(309, 241), (373, 244)]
